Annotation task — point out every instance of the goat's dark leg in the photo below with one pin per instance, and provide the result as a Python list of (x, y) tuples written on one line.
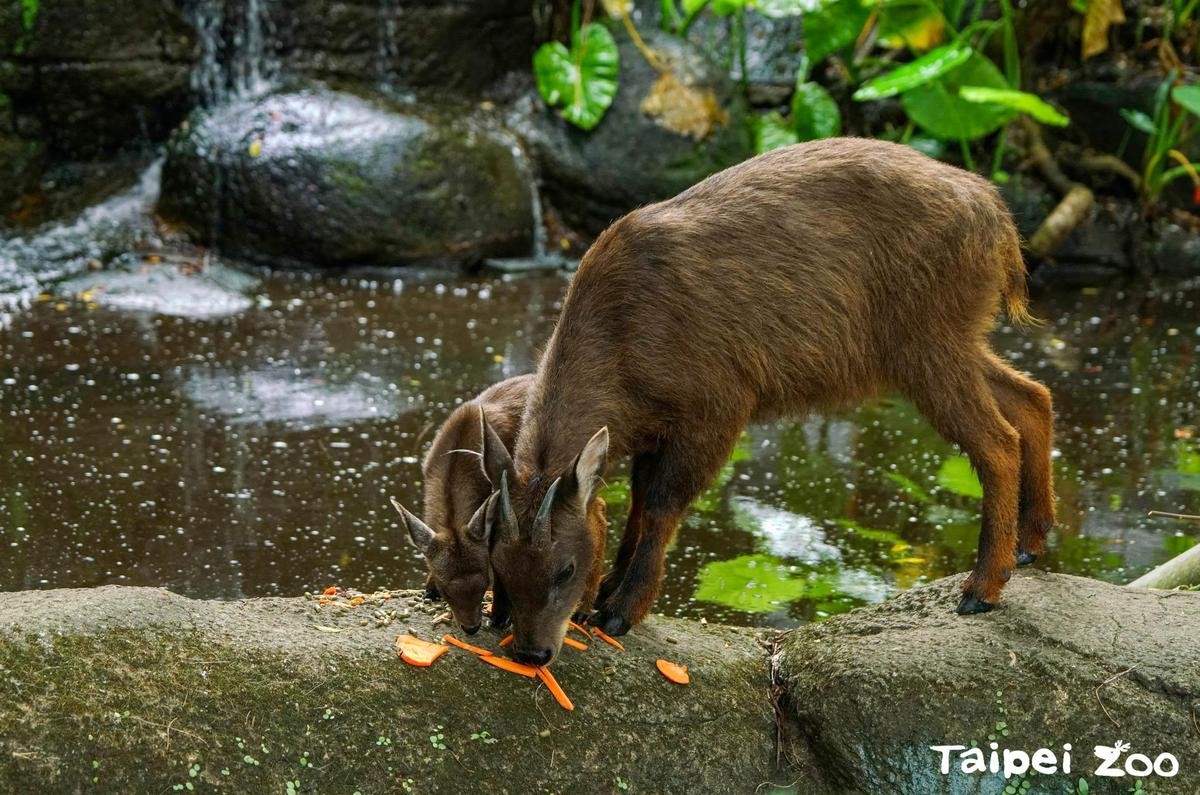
[(683, 467)]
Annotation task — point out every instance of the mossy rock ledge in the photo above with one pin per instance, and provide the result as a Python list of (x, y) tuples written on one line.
[(120, 689)]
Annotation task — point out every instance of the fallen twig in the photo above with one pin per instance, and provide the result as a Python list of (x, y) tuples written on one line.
[(1107, 681)]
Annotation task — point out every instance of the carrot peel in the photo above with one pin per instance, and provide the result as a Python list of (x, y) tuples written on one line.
[(600, 634), (506, 640), (509, 665), (673, 672), (574, 644), (559, 694), (420, 653), (466, 646), (580, 629)]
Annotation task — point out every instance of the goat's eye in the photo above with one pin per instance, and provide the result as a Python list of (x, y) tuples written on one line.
[(565, 574)]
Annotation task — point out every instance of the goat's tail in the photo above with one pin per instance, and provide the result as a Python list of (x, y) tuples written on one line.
[(1015, 291)]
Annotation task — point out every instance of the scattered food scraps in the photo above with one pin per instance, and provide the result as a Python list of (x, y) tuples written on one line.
[(466, 646), (673, 672), (581, 630), (574, 644), (600, 634), (420, 653), (509, 665), (507, 639), (559, 694)]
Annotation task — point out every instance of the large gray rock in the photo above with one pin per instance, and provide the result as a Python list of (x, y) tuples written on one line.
[(332, 179), (1061, 660), (136, 690), (630, 158)]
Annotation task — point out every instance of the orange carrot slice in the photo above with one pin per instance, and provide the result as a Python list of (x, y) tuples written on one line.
[(600, 634), (675, 673), (574, 644), (506, 640), (509, 665), (559, 694), (420, 653), (331, 590), (578, 628), (466, 646)]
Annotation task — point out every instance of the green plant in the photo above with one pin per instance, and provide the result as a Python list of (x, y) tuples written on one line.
[(580, 80), (1167, 130), (954, 92)]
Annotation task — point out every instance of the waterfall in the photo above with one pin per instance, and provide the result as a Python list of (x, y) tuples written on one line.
[(236, 58)]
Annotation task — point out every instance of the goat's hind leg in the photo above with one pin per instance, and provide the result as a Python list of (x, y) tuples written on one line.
[(1027, 405), (955, 397)]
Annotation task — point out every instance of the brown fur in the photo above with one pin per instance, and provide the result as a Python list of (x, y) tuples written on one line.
[(808, 278)]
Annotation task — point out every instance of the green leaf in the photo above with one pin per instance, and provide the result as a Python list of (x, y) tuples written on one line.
[(752, 583), (957, 476), (725, 8), (582, 80), (1187, 97), (815, 114), (771, 131), (937, 108), (1021, 101), (1138, 120), (915, 74), (908, 486), (833, 26)]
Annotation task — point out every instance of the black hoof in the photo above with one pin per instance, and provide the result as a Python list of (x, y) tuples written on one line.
[(1026, 558), (580, 616), (972, 604), (612, 625), (432, 593)]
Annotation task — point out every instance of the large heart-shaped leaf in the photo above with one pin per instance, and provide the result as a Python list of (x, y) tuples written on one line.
[(916, 24), (833, 25), (1021, 101), (937, 108), (581, 80), (815, 114), (915, 74)]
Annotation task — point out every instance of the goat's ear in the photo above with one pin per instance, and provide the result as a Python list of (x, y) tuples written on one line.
[(480, 527), (419, 533), (494, 456), (584, 478)]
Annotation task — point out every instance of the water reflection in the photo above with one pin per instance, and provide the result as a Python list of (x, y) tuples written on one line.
[(252, 453)]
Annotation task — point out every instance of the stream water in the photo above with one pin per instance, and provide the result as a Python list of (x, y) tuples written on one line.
[(253, 453)]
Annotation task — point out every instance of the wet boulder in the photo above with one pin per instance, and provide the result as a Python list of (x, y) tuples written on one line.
[(637, 155), (328, 178)]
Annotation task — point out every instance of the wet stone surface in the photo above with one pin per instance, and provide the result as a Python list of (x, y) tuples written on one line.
[(252, 452)]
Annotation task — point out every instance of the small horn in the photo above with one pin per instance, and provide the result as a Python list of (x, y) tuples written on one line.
[(540, 532), (508, 518)]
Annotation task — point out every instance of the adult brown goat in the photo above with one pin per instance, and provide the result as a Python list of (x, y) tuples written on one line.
[(807, 278)]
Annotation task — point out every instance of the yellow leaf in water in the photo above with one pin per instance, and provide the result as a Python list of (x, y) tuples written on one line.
[(87, 295), (255, 147), (617, 8), (1101, 14), (44, 297), (900, 546), (910, 560), (497, 358), (683, 109), (61, 307)]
